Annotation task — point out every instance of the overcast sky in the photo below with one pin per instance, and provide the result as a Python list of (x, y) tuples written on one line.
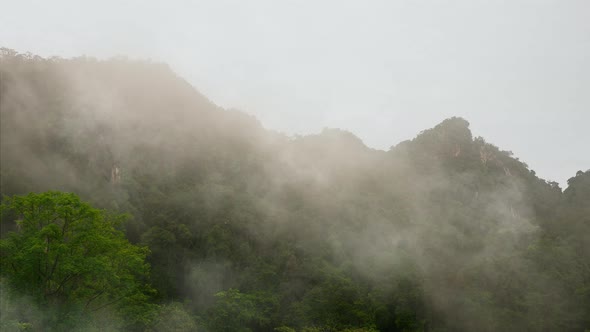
[(519, 71)]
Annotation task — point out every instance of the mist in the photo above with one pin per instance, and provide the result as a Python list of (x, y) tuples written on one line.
[(296, 168), (441, 232), (383, 70)]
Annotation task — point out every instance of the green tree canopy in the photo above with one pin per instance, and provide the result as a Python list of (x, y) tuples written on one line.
[(69, 255)]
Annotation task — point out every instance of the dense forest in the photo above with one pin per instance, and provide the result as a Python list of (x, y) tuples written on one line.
[(130, 202)]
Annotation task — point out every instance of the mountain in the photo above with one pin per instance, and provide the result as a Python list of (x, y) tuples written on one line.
[(252, 230)]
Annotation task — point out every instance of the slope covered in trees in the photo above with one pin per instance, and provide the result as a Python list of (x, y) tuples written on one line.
[(251, 230)]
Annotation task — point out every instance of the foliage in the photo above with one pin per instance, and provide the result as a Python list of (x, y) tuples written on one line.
[(254, 231), (67, 255), (174, 317)]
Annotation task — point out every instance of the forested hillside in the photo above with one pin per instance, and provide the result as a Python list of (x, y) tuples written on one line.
[(229, 226)]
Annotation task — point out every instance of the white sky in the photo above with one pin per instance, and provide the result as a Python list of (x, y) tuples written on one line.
[(519, 71)]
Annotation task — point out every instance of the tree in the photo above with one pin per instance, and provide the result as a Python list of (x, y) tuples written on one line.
[(237, 311), (174, 317), (71, 257)]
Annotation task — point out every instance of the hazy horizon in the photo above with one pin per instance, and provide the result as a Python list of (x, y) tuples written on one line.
[(518, 71)]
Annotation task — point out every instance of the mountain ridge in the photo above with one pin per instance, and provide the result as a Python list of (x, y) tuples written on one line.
[(250, 229)]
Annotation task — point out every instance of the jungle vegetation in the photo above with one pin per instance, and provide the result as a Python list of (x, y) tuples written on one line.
[(130, 202)]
